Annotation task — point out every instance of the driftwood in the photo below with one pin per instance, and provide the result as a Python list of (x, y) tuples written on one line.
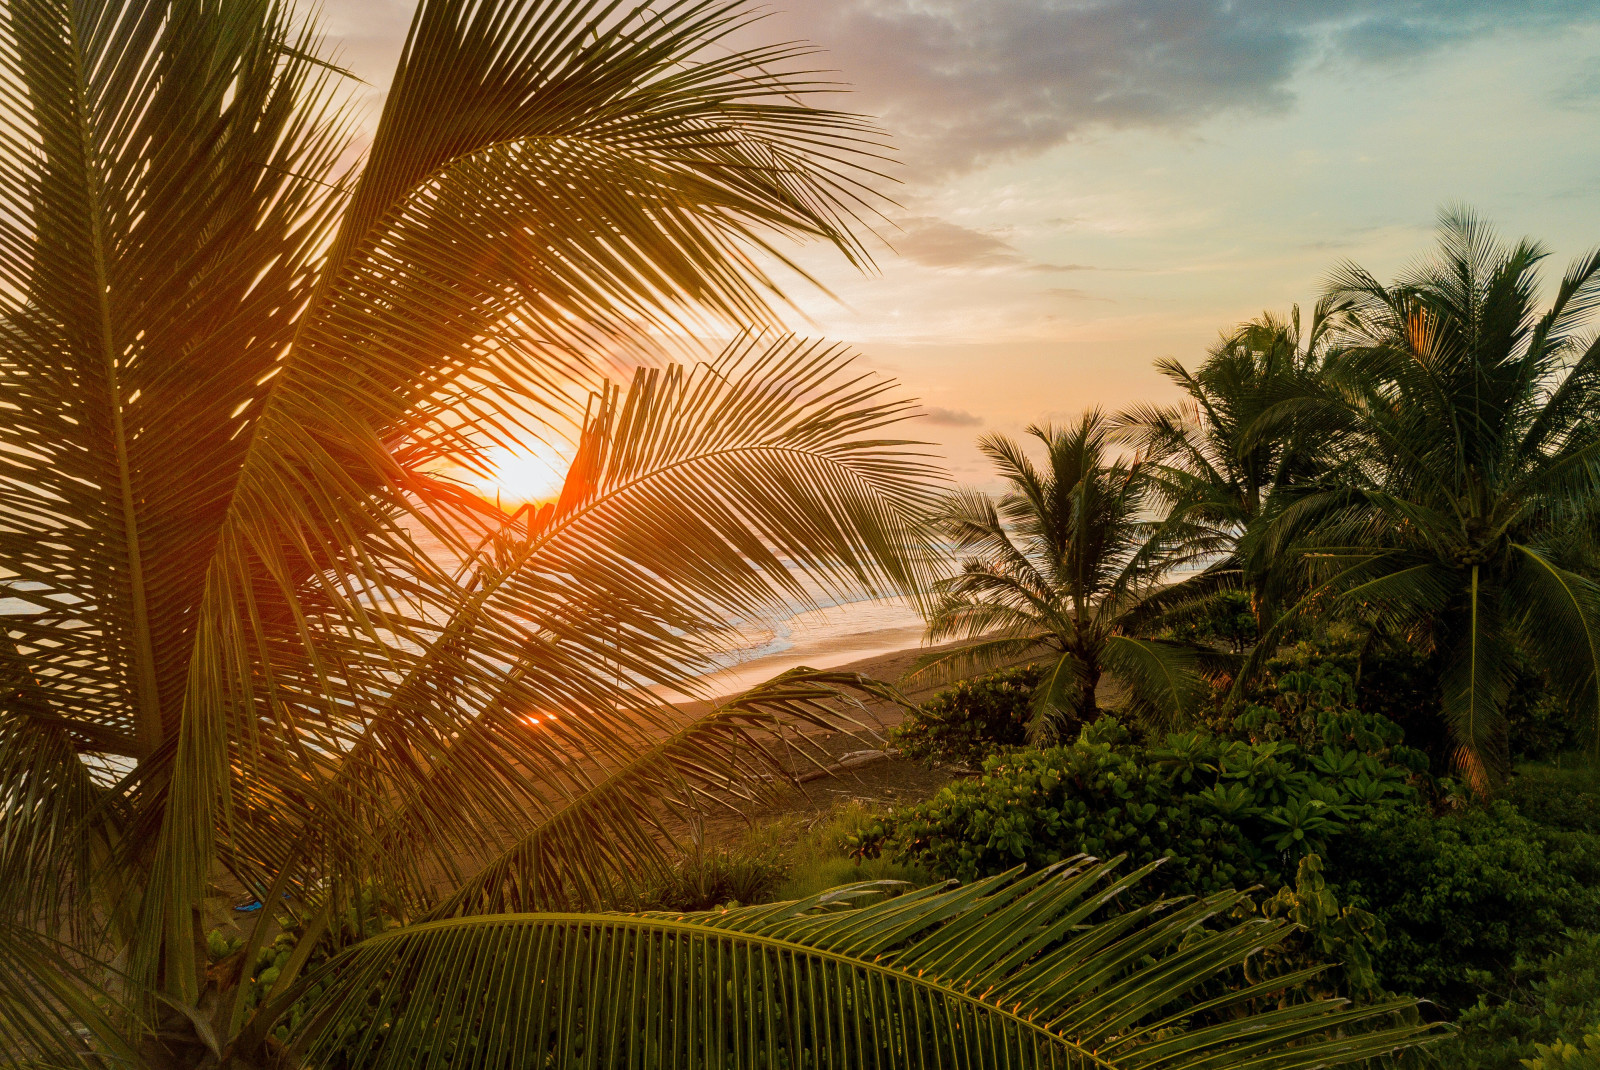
[(854, 760)]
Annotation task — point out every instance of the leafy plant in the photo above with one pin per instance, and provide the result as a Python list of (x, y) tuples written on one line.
[(708, 878), (1218, 813), (1563, 1055), (1327, 933), (971, 720), (1546, 1000), (1559, 798), (1464, 897)]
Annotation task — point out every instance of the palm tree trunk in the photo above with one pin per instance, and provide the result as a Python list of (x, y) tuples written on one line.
[(1088, 709)]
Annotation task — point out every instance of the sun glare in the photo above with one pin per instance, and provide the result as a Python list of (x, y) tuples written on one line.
[(532, 473)]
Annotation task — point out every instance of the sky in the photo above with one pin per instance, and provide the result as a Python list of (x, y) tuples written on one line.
[(1088, 185)]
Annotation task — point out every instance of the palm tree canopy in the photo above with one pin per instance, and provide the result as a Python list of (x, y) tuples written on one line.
[(263, 637), (1463, 513), (1231, 453), (1059, 565), (1218, 454)]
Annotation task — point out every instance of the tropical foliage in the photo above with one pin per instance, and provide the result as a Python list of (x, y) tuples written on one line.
[(266, 646), (1057, 570), (1461, 514), (1218, 812), (971, 719), (1226, 456)]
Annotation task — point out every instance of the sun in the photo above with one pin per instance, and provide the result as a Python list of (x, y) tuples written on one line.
[(529, 473)]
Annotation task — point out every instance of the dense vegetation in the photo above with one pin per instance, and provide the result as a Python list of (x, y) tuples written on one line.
[(271, 650), (1487, 908), (1389, 519)]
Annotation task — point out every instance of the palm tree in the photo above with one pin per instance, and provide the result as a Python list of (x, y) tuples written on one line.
[(1060, 567), (1224, 458), (259, 643), (1463, 512)]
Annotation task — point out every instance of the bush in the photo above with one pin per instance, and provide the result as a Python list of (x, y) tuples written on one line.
[(972, 720), (1325, 932), (1564, 1056), (1223, 813), (1465, 897), (1223, 619), (706, 880), (1554, 1001), (1567, 799), (814, 856)]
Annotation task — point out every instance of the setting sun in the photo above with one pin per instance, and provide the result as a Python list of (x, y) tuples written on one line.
[(530, 473)]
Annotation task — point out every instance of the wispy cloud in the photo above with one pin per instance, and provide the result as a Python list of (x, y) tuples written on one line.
[(938, 243), (951, 418), (963, 82)]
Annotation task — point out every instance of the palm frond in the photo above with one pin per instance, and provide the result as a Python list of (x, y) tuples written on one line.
[(228, 365), (1476, 681), (735, 490), (1563, 615), (53, 1012), (1005, 972), (622, 830), (1163, 677), (957, 663), (1057, 701)]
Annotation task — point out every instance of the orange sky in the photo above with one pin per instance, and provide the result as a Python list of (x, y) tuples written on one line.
[(1089, 186)]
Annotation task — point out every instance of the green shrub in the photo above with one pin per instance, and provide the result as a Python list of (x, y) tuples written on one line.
[(814, 856), (1325, 932), (1550, 999), (1567, 799), (1223, 813), (708, 879), (1223, 619), (972, 720), (1308, 695), (1464, 897), (1564, 1056)]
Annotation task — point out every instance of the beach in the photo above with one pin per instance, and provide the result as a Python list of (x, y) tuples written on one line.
[(880, 639)]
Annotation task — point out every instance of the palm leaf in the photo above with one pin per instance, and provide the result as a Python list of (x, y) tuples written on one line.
[(1005, 972), (1563, 615), (53, 1012), (623, 830), (1163, 677)]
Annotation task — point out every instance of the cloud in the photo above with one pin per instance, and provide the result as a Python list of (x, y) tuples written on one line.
[(938, 243), (951, 418), (1068, 294), (963, 82)]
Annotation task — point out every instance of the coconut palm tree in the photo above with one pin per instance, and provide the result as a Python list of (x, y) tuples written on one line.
[(1225, 457), (261, 642), (1059, 567), (1463, 514)]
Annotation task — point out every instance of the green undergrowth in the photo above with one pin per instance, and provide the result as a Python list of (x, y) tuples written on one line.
[(791, 857), (814, 853), (971, 720)]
